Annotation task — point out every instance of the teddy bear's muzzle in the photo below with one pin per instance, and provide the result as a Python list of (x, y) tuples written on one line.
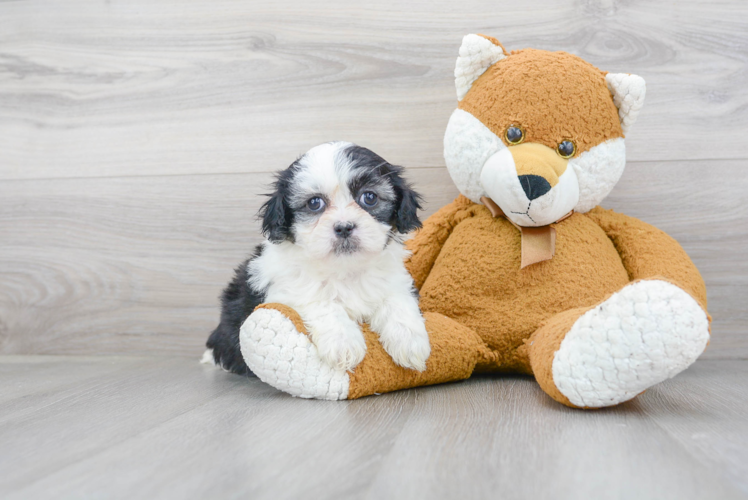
[(531, 183)]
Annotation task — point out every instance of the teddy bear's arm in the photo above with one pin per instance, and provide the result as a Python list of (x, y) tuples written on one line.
[(647, 252), (428, 241)]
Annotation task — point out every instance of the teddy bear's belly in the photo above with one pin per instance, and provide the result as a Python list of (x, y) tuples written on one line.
[(477, 281)]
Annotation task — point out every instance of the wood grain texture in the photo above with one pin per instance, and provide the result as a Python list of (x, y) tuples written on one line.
[(169, 428), (174, 87), (135, 265), (135, 138)]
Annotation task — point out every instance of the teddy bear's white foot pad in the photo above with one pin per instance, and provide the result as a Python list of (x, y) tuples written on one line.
[(284, 358), (646, 333)]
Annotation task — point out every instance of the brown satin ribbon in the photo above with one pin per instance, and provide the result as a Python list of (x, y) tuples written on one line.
[(538, 243)]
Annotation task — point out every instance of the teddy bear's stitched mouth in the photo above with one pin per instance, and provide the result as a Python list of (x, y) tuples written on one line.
[(526, 212)]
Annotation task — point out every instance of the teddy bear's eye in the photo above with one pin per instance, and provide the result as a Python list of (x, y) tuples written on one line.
[(514, 135), (566, 149)]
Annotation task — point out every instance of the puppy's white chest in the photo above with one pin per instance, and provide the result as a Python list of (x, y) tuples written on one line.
[(360, 295), (360, 286)]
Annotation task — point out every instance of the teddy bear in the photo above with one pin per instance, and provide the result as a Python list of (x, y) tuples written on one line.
[(524, 272)]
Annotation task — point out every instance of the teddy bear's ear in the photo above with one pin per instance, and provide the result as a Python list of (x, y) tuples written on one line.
[(477, 53), (628, 95)]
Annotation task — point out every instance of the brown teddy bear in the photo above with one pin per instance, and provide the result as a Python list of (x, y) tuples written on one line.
[(524, 273)]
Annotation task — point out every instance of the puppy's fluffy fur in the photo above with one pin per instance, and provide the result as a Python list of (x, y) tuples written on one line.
[(334, 231)]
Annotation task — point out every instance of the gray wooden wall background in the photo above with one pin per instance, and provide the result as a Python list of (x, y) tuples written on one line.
[(137, 136)]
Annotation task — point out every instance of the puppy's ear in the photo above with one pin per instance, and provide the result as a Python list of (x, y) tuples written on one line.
[(274, 221), (405, 218), (407, 212), (275, 212)]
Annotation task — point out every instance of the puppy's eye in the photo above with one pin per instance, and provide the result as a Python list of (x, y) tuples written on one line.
[(514, 135), (316, 204), (566, 149), (369, 199)]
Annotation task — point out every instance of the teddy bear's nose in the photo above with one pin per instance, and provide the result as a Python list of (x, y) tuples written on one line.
[(534, 186)]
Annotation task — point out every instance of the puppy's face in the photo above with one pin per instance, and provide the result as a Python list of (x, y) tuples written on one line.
[(340, 199)]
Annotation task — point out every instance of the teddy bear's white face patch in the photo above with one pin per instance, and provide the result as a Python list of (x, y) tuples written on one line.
[(467, 146), (480, 164), (598, 171)]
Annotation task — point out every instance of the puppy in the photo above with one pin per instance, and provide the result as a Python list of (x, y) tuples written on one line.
[(334, 252)]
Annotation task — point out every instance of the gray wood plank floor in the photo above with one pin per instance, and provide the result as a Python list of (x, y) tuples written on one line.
[(106, 427)]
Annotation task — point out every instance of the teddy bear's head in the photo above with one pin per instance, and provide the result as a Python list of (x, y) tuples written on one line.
[(539, 133)]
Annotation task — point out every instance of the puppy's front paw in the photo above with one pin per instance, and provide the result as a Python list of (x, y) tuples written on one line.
[(407, 345), (341, 346)]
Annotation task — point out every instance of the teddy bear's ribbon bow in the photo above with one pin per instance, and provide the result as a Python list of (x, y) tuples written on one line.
[(538, 243)]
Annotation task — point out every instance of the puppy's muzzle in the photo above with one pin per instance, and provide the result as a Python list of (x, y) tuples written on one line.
[(344, 229)]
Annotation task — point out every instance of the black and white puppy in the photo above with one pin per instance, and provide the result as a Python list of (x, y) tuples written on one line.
[(334, 252)]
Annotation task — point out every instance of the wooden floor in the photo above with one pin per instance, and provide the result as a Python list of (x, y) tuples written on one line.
[(105, 427)]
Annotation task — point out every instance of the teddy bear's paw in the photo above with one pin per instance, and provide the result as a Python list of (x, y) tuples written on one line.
[(284, 358), (646, 333), (407, 345)]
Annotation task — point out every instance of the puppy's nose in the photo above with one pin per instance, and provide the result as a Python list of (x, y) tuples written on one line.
[(344, 229), (534, 186)]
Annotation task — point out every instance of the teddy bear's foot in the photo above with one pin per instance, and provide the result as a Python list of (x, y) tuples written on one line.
[(647, 332), (282, 356)]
